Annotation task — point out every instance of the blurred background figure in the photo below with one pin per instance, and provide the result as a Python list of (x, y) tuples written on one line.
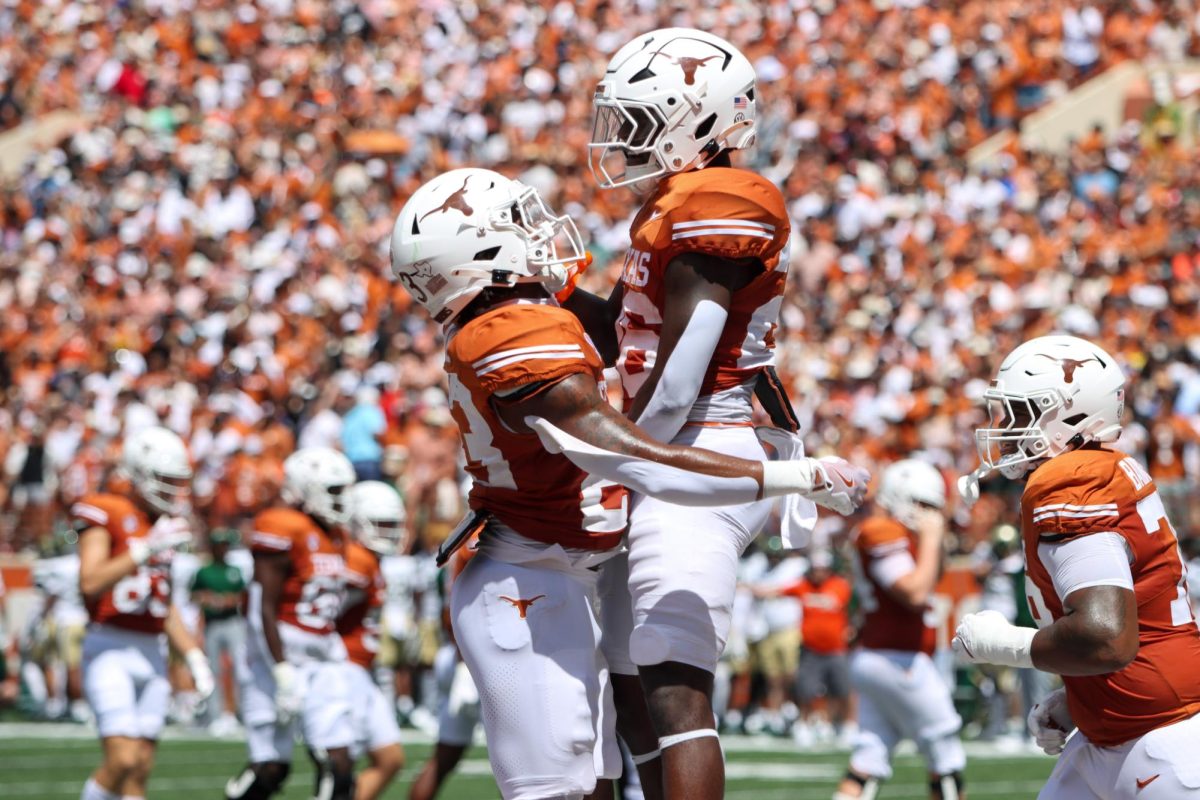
[(219, 589)]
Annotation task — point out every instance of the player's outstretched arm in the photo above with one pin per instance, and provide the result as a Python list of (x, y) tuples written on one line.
[(572, 418), (700, 288), (1097, 635), (598, 316)]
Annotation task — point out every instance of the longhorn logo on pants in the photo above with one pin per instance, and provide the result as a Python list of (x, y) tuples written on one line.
[(521, 605)]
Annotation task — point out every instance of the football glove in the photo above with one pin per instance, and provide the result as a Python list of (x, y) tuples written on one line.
[(1050, 722), (288, 699), (202, 674), (988, 638), (167, 534)]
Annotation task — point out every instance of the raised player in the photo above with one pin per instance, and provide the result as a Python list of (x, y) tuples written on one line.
[(1104, 577), (294, 654), (481, 253), (698, 306), (377, 522), (901, 695), (125, 549)]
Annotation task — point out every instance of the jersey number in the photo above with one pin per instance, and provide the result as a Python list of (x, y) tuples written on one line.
[(144, 593), (1154, 517), (320, 602), (477, 439)]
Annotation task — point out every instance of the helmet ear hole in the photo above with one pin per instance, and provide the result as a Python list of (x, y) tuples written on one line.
[(487, 255), (705, 127), (1075, 419)]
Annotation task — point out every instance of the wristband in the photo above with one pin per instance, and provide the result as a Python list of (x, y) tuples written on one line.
[(781, 478)]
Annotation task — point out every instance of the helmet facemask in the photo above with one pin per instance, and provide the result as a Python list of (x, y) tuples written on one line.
[(1015, 437), (552, 242), (381, 536), (624, 150), (167, 493)]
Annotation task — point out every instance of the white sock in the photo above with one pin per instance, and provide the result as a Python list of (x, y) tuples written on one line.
[(94, 791)]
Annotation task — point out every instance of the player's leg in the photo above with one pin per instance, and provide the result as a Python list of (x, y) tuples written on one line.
[(376, 727), (153, 698), (1163, 764), (683, 574), (531, 641), (135, 782), (111, 690), (878, 729), (268, 743), (634, 724), (1082, 772), (439, 766), (327, 722)]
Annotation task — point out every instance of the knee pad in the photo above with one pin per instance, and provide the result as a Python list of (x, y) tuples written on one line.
[(870, 788), (947, 787), (648, 646)]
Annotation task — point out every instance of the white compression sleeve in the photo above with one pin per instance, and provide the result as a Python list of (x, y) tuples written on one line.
[(679, 382), (1100, 559), (650, 478)]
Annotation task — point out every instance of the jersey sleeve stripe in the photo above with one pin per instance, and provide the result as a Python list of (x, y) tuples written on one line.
[(577, 354), (1073, 514), (716, 223), (91, 513), (722, 232), (540, 348), (1073, 507), (271, 540)]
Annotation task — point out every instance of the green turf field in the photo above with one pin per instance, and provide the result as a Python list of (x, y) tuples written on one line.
[(50, 762)]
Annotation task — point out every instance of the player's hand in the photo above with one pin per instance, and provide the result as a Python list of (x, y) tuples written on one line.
[(573, 272), (288, 700), (202, 674), (929, 523), (844, 486), (1050, 722), (988, 638), (168, 533)]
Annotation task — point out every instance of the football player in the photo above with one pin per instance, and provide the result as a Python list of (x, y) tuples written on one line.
[(1104, 579), (901, 694), (377, 523), (293, 673), (549, 457), (695, 314), (125, 549)]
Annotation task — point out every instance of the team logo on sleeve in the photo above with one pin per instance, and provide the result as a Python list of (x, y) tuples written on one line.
[(130, 524)]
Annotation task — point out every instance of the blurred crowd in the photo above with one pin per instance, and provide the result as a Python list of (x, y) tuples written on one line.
[(207, 247)]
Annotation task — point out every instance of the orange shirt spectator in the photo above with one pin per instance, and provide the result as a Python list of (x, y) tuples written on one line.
[(826, 599)]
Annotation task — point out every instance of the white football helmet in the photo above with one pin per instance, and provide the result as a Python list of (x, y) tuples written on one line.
[(316, 479), (670, 101), (909, 484), (377, 517), (469, 229), (155, 460), (1052, 394)]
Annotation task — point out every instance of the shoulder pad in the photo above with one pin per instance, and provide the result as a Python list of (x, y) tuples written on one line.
[(724, 212)]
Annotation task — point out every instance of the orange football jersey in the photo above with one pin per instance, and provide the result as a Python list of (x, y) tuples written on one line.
[(730, 213), (539, 495), (138, 602), (359, 623), (888, 624), (315, 586), (1101, 491)]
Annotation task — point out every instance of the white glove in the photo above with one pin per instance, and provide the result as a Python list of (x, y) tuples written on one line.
[(989, 638), (845, 485), (202, 674), (1050, 722), (168, 533), (831, 482), (797, 514), (288, 700)]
